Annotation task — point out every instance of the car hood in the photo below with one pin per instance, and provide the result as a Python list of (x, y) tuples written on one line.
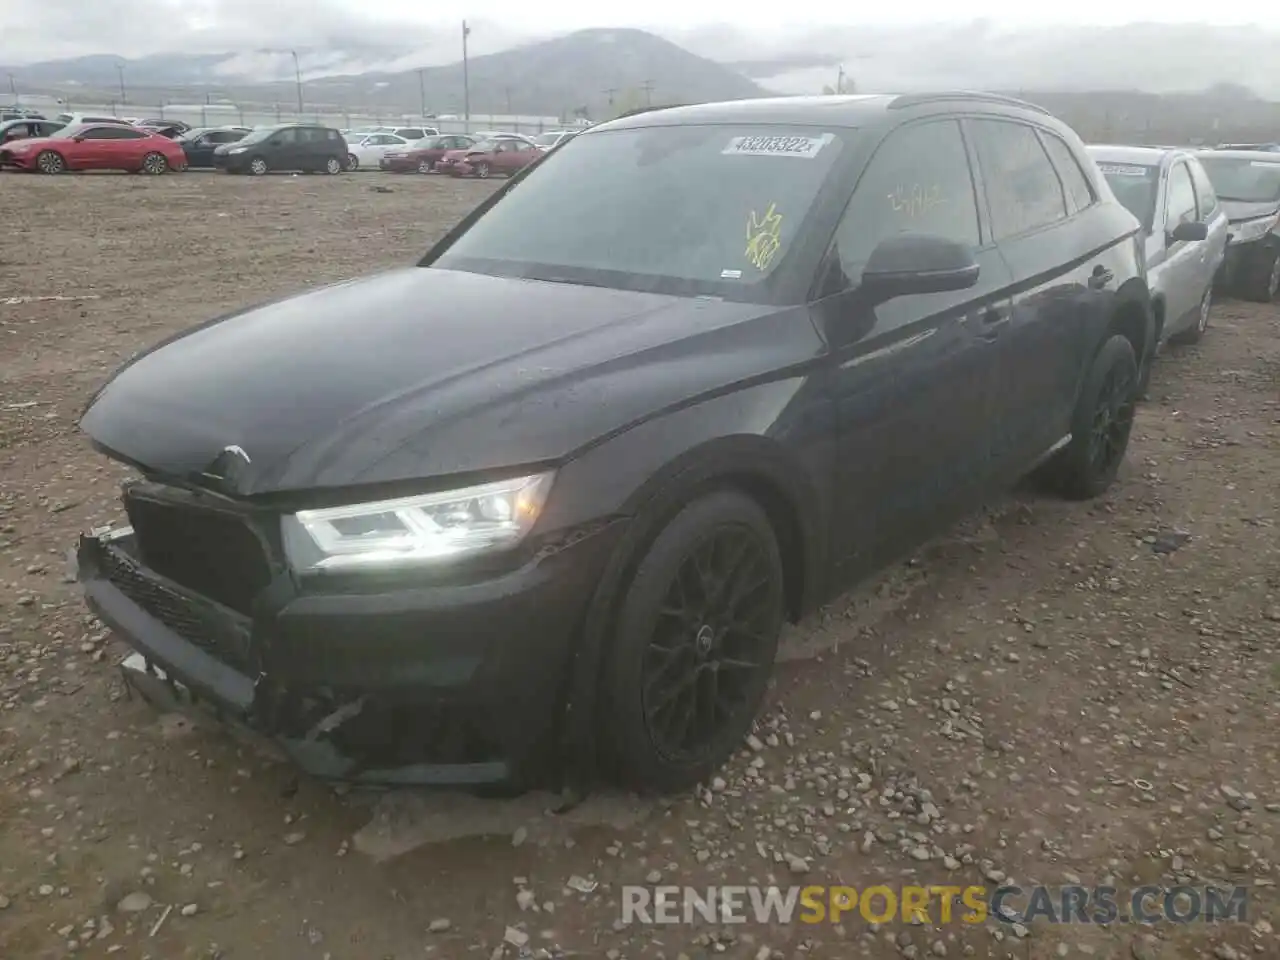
[(423, 372), (32, 143), (1238, 210)]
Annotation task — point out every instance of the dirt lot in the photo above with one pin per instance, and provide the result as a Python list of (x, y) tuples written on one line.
[(1055, 693)]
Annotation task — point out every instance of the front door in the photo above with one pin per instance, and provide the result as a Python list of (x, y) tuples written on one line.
[(912, 379), (1184, 262)]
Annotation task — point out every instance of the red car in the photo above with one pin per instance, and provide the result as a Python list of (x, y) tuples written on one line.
[(423, 155), (504, 155), (94, 146)]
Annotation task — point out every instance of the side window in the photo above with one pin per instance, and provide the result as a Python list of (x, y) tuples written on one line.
[(285, 137), (1206, 199), (918, 181), (1181, 204), (99, 133), (412, 133), (125, 134), (1022, 187), (1074, 182)]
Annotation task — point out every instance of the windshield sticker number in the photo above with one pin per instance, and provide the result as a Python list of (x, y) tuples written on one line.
[(806, 147), (1123, 170), (764, 237), (916, 200)]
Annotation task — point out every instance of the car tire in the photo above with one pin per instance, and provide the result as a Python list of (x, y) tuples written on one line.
[(155, 164), (708, 593), (258, 167), (353, 162), (1196, 331), (482, 171), (333, 166), (1260, 279), (1100, 424), (51, 162), (424, 166)]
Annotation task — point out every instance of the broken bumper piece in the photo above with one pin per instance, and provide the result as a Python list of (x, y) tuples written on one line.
[(448, 686)]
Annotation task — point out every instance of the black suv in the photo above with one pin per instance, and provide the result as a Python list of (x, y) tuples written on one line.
[(302, 147), (546, 511)]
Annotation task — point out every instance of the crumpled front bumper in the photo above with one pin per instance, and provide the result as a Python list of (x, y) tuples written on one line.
[(458, 686)]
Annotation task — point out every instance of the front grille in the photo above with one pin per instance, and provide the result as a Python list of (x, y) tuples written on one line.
[(211, 552), (219, 640)]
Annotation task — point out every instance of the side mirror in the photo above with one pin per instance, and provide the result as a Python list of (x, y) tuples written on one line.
[(916, 263), (1189, 230)]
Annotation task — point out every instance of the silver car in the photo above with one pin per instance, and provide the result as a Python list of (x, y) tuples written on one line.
[(1185, 228), (1248, 184)]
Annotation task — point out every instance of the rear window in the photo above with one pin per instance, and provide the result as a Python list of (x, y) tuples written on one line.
[(683, 209)]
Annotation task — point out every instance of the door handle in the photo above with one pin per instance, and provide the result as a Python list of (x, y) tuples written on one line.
[(1100, 278)]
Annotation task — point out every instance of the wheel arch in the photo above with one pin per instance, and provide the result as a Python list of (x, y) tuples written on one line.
[(1133, 316)]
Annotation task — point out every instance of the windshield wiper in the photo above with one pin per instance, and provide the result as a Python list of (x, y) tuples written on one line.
[(576, 283)]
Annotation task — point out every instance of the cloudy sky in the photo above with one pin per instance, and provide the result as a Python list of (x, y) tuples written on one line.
[(32, 30)]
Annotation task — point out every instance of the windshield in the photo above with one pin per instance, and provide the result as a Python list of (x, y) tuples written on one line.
[(548, 139), (426, 143), (1134, 186), (694, 210), (1244, 181), (258, 135)]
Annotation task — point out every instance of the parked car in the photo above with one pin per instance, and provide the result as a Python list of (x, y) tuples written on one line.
[(1184, 227), (19, 113), (199, 143), (105, 146), (369, 150), (557, 497), (173, 129), (424, 154), (25, 127), (1248, 185), (78, 119), (545, 141), (501, 155), (410, 133), (305, 147)]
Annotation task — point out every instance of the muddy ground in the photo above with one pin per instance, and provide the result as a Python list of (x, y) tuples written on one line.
[(1054, 693)]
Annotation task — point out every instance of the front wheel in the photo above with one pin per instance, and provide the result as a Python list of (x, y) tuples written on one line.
[(51, 162), (333, 166), (1260, 279), (482, 171), (353, 162), (1100, 425), (258, 167), (424, 166), (1194, 333), (155, 164), (693, 645)]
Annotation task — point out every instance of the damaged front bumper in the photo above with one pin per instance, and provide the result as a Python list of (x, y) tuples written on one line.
[(441, 685)]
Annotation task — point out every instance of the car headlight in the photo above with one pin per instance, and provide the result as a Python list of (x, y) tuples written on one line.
[(1252, 230), (429, 528)]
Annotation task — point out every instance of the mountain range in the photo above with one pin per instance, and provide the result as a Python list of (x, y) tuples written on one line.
[(601, 71)]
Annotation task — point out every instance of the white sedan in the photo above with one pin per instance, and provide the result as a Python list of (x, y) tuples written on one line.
[(365, 150)]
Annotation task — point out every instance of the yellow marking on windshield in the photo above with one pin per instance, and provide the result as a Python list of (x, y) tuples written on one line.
[(764, 237), (916, 200)]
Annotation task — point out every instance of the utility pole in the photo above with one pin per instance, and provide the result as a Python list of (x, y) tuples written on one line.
[(840, 80), (13, 89), (422, 93), (609, 93), (120, 73), (466, 76), (297, 79), (508, 92), (648, 93)]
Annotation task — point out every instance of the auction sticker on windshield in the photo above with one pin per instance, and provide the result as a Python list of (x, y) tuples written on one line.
[(762, 146), (1124, 170)]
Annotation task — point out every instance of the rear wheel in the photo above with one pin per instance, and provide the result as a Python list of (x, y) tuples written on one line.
[(1194, 333), (333, 166), (155, 164), (424, 166), (693, 645), (50, 161), (1100, 425), (258, 166)]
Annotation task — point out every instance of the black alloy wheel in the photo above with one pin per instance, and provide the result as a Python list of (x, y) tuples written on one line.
[(1112, 420), (695, 644)]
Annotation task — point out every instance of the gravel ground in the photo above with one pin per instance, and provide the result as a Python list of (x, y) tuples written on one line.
[(1053, 693)]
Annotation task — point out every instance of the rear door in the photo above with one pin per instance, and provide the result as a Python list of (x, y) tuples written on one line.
[(286, 152), (913, 378), (1042, 214), (1214, 217), (94, 150)]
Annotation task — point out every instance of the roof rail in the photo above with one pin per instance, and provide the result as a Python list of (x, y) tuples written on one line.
[(917, 99)]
